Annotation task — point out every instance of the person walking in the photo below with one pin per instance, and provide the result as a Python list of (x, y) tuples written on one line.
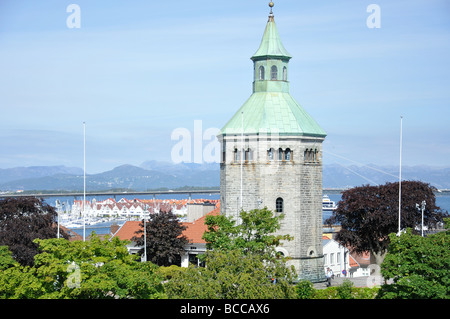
[(329, 276)]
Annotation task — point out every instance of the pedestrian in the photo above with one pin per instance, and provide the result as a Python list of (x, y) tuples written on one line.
[(329, 276)]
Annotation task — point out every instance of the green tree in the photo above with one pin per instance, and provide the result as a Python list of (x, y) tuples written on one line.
[(419, 266), (231, 274), (6, 260), (95, 269), (240, 261), (368, 214), (253, 235)]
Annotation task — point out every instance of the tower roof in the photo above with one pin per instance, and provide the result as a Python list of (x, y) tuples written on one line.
[(272, 113), (271, 109), (271, 45)]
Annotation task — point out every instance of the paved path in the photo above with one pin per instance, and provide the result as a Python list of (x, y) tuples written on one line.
[(357, 282)]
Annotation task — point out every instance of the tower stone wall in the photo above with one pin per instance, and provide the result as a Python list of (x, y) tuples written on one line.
[(297, 181), (272, 157)]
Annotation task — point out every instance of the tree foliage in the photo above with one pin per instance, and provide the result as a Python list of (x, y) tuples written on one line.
[(368, 214), (419, 266), (6, 259), (22, 220), (95, 269), (165, 239), (231, 275), (253, 235), (240, 263)]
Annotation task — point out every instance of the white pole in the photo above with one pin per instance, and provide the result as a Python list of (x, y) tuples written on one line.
[(84, 180), (242, 152), (423, 208), (57, 202), (145, 234), (400, 178)]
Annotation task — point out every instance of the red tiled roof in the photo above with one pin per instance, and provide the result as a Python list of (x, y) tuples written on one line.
[(353, 262), (194, 231), (361, 258), (128, 230)]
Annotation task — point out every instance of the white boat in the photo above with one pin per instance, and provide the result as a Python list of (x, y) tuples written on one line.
[(328, 204)]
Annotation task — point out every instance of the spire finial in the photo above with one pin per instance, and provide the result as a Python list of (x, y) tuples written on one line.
[(271, 4)]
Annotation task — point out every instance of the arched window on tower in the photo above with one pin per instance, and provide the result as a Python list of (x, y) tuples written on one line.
[(287, 154), (271, 154), (261, 73), (284, 73), (274, 73), (279, 205), (248, 155), (280, 154)]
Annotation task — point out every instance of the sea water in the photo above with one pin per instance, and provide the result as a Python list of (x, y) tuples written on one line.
[(442, 201)]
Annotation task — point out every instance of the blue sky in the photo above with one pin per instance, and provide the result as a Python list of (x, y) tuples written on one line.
[(137, 70)]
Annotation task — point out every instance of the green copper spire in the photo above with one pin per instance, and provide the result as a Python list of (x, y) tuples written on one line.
[(271, 46), (271, 109)]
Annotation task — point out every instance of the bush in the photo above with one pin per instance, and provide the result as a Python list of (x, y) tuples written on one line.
[(344, 290), (168, 272), (305, 289)]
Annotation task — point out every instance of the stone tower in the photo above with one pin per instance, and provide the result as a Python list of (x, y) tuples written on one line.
[(272, 157)]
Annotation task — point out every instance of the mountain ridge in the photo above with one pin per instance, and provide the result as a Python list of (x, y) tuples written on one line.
[(156, 174)]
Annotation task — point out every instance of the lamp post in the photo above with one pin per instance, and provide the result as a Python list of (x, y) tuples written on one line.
[(145, 233), (422, 207), (58, 208)]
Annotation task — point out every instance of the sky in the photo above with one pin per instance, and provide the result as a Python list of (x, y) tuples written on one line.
[(137, 71)]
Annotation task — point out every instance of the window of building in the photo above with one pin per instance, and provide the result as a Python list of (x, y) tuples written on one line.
[(248, 155), (332, 258), (261, 73), (274, 73), (284, 73), (236, 155), (270, 154), (311, 156), (287, 154), (280, 154), (279, 205)]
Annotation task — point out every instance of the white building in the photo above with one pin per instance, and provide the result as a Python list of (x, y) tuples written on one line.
[(343, 262)]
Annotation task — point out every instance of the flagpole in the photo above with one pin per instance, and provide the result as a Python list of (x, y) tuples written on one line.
[(242, 153), (84, 181), (400, 178)]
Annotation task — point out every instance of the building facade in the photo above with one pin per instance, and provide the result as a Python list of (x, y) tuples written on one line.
[(272, 157)]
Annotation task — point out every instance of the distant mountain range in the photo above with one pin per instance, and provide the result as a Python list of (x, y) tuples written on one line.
[(155, 175), (338, 176), (150, 175)]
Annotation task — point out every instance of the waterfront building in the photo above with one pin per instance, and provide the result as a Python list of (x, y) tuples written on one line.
[(133, 209), (194, 232), (272, 157)]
